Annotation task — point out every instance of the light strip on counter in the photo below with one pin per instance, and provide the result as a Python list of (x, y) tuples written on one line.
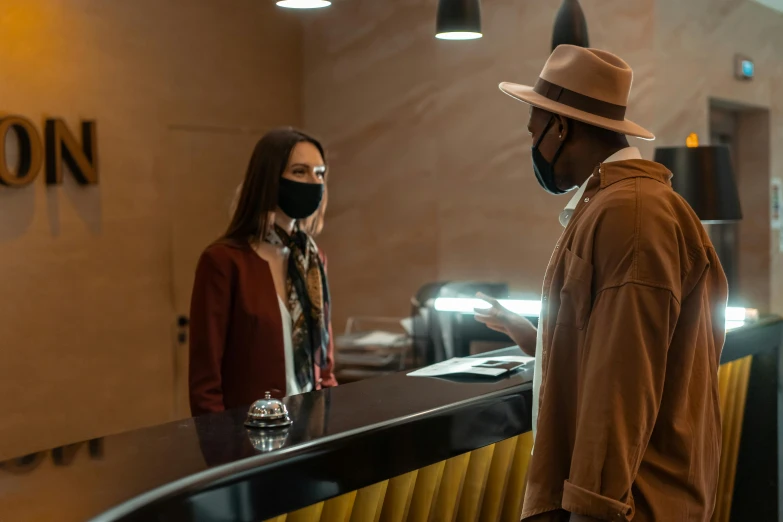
[(735, 316), (467, 305)]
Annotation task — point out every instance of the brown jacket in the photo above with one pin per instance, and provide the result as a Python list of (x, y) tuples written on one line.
[(633, 325), (236, 332)]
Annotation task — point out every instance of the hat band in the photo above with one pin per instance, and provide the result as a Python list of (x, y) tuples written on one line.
[(579, 101)]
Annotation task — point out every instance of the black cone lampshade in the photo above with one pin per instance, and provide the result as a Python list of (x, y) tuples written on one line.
[(705, 178), (458, 20), (570, 25)]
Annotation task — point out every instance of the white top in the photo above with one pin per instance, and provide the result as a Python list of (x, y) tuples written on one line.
[(292, 385), (627, 153)]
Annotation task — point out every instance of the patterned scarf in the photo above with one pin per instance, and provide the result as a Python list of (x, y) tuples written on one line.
[(308, 302)]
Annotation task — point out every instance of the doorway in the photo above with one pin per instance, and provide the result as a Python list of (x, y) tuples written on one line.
[(203, 166), (744, 247)]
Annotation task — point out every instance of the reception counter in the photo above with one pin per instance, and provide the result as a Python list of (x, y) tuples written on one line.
[(344, 445), (394, 448)]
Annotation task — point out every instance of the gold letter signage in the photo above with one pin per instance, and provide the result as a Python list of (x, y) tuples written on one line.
[(60, 146)]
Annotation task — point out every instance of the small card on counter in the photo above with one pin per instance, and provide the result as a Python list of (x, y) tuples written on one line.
[(490, 366)]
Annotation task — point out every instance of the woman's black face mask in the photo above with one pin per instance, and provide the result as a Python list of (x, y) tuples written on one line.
[(299, 200)]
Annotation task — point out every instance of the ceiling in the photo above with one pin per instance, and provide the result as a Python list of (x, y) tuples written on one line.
[(777, 5)]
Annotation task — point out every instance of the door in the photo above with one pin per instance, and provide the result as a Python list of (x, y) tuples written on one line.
[(724, 236), (201, 169)]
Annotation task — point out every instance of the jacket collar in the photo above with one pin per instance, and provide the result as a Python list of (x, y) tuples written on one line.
[(611, 173)]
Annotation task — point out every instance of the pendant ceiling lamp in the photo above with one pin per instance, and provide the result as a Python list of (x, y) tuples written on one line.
[(570, 25), (459, 20), (304, 4)]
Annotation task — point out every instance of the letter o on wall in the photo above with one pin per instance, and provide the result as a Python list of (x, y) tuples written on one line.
[(30, 152)]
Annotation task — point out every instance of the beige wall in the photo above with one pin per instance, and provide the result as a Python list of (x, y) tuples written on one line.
[(86, 306), (431, 175)]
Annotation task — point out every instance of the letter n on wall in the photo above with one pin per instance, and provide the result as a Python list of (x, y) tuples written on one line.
[(62, 146)]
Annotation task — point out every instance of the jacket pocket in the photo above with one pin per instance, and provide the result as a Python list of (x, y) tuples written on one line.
[(576, 296)]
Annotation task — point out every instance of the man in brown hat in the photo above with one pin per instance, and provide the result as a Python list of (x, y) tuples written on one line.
[(625, 395)]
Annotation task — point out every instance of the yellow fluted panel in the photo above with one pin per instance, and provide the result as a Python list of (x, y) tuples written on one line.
[(724, 373), (425, 493), (515, 492), (497, 481), (726, 378), (339, 509), (451, 489), (733, 386), (308, 514), (369, 502), (398, 498), (727, 411), (731, 453), (475, 484), (485, 485)]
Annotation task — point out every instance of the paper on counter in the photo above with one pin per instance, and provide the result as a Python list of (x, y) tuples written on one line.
[(379, 338), (466, 365), (407, 324)]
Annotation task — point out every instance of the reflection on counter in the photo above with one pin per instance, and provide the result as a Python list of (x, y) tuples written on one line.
[(60, 456)]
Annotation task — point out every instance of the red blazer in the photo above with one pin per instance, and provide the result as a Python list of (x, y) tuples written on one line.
[(236, 332)]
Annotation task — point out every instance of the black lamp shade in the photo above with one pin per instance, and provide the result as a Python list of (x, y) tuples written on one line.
[(570, 25), (705, 178), (459, 16)]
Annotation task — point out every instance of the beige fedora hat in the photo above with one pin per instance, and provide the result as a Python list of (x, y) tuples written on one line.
[(588, 85)]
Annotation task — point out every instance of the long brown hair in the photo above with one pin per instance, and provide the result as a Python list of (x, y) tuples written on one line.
[(258, 194)]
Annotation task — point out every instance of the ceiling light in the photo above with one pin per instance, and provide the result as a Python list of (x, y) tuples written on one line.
[(570, 25), (304, 4), (458, 20), (458, 36)]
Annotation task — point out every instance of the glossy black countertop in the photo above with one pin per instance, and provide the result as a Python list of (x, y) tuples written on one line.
[(208, 468), (754, 337)]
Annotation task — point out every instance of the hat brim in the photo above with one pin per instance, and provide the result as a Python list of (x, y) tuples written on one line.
[(527, 95)]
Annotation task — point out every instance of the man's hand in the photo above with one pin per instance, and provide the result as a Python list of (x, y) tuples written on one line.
[(500, 319)]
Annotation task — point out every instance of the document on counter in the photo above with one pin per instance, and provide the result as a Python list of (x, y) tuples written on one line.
[(380, 339), (490, 366)]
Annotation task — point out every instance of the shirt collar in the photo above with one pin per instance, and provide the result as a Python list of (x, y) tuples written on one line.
[(628, 153)]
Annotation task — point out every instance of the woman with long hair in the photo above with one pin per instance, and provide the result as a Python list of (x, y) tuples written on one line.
[(260, 307)]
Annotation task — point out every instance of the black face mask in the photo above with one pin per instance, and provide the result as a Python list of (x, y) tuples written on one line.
[(299, 200), (544, 170)]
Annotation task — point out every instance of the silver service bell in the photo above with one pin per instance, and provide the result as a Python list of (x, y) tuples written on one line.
[(267, 413)]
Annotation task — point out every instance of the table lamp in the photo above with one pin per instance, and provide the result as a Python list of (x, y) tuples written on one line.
[(704, 176)]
